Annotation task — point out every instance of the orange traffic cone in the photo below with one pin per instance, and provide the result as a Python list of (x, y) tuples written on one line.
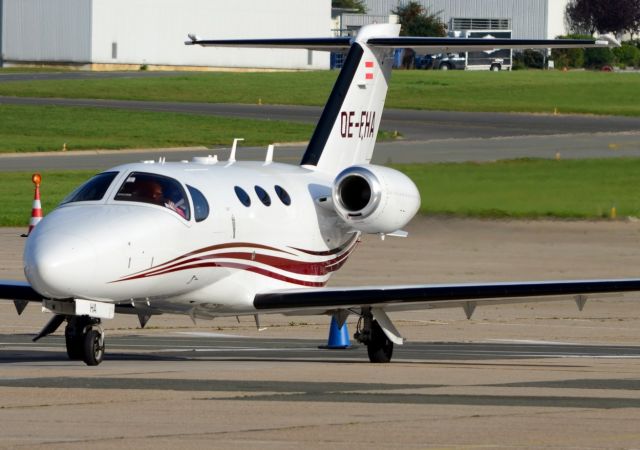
[(36, 210)]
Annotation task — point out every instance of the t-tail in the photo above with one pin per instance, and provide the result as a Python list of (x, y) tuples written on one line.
[(347, 130)]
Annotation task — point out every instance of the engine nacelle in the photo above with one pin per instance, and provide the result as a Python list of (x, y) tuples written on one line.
[(375, 199)]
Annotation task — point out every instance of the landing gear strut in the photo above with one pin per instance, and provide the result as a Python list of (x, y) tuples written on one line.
[(369, 333), (85, 339)]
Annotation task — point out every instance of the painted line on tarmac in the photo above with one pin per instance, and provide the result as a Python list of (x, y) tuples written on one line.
[(208, 334), (531, 342)]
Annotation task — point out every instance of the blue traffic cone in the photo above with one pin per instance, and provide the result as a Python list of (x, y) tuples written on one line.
[(338, 337)]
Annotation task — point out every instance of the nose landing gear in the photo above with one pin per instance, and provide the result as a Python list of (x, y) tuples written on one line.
[(85, 339)]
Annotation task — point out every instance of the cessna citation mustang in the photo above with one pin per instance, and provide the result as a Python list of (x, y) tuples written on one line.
[(209, 238)]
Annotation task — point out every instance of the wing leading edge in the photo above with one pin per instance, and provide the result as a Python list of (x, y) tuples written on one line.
[(435, 294), (18, 290)]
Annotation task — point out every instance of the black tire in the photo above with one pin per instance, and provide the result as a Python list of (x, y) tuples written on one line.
[(380, 348), (73, 337), (93, 348), (445, 66), (75, 346), (496, 68)]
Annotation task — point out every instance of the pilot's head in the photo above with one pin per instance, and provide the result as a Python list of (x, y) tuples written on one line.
[(151, 191)]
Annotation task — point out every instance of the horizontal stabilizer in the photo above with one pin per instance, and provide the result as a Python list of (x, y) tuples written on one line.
[(447, 45), (422, 44), (326, 44)]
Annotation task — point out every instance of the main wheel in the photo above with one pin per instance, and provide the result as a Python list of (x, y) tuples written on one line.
[(93, 347), (380, 348), (74, 337), (444, 66)]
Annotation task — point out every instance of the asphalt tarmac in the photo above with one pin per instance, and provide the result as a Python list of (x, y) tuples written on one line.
[(211, 346), (515, 376)]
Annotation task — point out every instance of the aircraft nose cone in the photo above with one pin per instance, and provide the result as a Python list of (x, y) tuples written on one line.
[(59, 265)]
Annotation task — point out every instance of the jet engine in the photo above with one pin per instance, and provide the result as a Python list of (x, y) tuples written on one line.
[(375, 199)]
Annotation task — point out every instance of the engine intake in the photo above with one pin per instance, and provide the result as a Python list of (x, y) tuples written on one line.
[(375, 199)]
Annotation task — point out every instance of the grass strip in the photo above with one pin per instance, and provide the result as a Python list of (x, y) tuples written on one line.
[(570, 189), (518, 91), (530, 188), (47, 128), (16, 193)]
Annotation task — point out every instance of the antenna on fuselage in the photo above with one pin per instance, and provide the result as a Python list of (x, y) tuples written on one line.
[(269, 157), (232, 156)]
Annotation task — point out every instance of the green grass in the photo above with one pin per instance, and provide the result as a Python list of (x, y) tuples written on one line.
[(577, 189), (519, 91), (581, 189), (16, 193), (47, 128)]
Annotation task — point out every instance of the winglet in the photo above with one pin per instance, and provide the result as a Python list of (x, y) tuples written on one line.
[(193, 39), (608, 40)]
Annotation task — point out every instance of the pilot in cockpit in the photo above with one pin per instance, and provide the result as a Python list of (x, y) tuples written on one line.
[(152, 191)]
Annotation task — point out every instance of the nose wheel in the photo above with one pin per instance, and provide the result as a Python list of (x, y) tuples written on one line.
[(85, 339)]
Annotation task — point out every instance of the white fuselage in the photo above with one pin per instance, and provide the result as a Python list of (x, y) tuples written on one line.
[(128, 252)]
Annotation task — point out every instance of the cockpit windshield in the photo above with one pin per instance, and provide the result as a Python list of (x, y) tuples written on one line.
[(155, 189), (92, 190)]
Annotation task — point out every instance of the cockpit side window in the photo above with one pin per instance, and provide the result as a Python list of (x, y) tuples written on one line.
[(92, 190), (200, 204), (156, 189)]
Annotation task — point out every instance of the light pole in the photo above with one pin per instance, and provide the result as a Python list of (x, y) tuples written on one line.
[(1, 18)]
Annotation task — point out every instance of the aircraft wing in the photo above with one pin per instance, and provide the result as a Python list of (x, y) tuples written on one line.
[(434, 295), (18, 290)]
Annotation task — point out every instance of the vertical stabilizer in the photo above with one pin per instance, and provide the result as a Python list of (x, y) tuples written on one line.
[(347, 130)]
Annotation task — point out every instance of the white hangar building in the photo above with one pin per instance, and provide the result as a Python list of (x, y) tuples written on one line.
[(528, 19), (116, 34)]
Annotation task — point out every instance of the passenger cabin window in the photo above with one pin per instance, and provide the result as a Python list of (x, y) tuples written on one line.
[(263, 196), (242, 196), (92, 190), (283, 195), (200, 204), (155, 189)]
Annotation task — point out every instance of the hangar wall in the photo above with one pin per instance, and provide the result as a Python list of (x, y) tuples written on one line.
[(152, 32), (531, 19), (37, 30)]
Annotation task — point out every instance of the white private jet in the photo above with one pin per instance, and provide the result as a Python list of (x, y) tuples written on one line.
[(209, 238)]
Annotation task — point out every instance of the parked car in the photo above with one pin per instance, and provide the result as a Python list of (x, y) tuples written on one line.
[(449, 61)]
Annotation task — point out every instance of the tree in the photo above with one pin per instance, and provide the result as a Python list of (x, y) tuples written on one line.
[(417, 21), (628, 55), (604, 16), (357, 5)]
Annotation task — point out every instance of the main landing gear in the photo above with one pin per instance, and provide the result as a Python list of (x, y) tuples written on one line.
[(369, 332), (85, 339)]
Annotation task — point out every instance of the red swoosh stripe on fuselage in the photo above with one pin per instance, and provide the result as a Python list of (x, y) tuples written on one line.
[(249, 268), (317, 268), (220, 247), (328, 252)]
